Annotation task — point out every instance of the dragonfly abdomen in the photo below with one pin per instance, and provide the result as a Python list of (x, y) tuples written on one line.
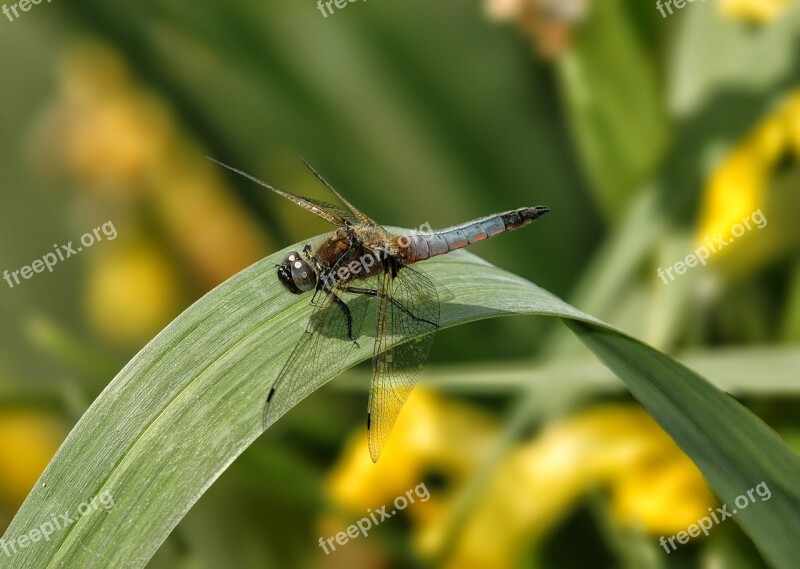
[(421, 246)]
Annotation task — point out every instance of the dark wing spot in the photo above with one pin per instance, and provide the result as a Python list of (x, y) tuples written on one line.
[(271, 393)]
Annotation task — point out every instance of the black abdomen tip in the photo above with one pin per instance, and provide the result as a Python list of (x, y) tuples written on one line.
[(523, 216), (536, 212)]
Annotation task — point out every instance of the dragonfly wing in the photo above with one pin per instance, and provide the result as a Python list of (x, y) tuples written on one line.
[(321, 350), (361, 216), (331, 213), (409, 312)]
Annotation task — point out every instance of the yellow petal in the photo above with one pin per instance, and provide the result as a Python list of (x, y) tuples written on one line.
[(662, 498), (132, 294), (757, 11), (617, 446), (28, 440)]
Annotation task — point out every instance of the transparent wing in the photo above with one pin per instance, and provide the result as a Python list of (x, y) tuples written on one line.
[(361, 216), (322, 347), (408, 311), (331, 213)]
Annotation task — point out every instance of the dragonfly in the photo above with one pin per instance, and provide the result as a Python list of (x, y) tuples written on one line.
[(361, 260)]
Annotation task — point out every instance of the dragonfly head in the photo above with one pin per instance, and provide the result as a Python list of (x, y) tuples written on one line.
[(296, 274)]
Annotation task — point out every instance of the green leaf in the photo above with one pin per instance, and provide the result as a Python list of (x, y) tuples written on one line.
[(731, 369), (191, 402), (712, 54), (615, 106)]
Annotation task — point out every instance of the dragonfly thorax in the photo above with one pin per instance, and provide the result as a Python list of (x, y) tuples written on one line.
[(296, 274)]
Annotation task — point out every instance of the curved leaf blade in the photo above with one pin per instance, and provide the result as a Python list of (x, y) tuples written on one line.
[(191, 401)]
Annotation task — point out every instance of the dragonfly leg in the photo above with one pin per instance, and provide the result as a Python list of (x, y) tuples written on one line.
[(346, 311), (375, 293)]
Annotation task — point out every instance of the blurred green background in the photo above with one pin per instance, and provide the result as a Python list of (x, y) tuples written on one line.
[(644, 134)]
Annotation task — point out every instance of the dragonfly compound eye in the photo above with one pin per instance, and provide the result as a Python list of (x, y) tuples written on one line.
[(290, 258), (285, 272), (304, 277)]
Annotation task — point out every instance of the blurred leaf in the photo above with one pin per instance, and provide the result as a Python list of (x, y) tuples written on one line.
[(791, 318), (191, 401), (55, 341), (711, 54), (761, 371), (725, 77), (615, 105)]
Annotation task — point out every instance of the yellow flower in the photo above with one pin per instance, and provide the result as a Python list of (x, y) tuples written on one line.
[(132, 294), (757, 11), (431, 436), (111, 132), (121, 141), (735, 191), (28, 440), (652, 485), (618, 446), (738, 198), (115, 143), (663, 497)]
